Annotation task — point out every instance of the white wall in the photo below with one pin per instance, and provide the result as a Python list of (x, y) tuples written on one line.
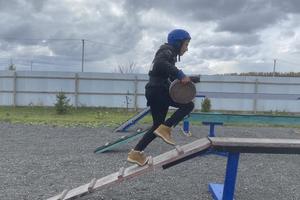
[(236, 93)]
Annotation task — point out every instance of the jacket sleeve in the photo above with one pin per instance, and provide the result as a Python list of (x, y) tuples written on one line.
[(164, 64)]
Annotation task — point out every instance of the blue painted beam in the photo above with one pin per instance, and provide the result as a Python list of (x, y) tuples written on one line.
[(122, 140), (226, 191), (216, 190)]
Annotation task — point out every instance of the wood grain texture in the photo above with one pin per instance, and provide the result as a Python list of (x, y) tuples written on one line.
[(256, 145)]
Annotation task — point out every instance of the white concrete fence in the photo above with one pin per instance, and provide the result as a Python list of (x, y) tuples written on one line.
[(235, 93)]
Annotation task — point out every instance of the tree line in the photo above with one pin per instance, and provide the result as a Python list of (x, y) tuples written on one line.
[(267, 74)]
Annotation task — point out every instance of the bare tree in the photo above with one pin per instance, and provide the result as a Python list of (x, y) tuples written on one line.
[(127, 69)]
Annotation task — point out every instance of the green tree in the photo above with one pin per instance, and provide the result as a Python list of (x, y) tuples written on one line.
[(62, 105), (205, 105)]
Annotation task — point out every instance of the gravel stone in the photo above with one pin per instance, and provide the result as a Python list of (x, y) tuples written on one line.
[(38, 162)]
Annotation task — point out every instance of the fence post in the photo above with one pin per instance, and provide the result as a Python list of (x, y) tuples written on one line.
[(135, 92), (15, 89), (255, 98), (76, 89)]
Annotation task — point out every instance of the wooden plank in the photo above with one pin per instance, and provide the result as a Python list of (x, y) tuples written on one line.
[(136, 170), (243, 145), (78, 191), (121, 172), (185, 158), (256, 145), (169, 156), (150, 161), (63, 194), (179, 150), (188, 149), (107, 180), (83, 189), (91, 185)]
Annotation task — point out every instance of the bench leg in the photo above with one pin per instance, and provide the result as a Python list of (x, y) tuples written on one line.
[(226, 191)]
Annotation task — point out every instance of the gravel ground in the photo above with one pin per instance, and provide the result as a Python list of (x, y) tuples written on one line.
[(38, 162)]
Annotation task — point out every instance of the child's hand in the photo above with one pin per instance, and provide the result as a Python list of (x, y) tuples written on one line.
[(185, 80)]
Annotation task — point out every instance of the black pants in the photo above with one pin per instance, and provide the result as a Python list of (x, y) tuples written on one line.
[(159, 101)]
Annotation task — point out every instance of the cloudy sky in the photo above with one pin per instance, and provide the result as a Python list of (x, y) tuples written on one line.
[(227, 35)]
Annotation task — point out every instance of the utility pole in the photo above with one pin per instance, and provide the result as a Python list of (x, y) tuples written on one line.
[(82, 56), (274, 67), (11, 66)]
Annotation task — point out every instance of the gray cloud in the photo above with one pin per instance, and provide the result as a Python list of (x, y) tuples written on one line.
[(230, 15), (107, 32), (248, 21), (227, 53), (288, 6), (231, 40), (204, 10), (125, 30)]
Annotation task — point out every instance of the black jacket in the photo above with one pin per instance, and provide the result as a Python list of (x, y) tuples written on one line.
[(163, 69)]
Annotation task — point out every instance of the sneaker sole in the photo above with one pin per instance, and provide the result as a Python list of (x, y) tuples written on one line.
[(166, 141), (135, 162)]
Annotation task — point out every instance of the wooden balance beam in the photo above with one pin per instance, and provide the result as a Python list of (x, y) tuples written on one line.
[(256, 145), (235, 146), (191, 150)]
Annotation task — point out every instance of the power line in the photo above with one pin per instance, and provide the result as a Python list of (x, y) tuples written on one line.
[(48, 40), (103, 43), (59, 39), (45, 40), (40, 39)]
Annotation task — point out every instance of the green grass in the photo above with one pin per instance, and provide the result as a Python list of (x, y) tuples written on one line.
[(87, 117)]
